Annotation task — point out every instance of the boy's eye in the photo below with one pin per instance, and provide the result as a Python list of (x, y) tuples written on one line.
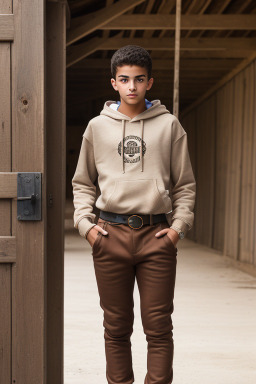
[(125, 80)]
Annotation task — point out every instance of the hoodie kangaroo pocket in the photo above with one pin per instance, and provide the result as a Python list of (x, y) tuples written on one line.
[(139, 196)]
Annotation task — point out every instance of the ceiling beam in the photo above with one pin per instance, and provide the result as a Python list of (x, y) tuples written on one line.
[(191, 47), (190, 44), (76, 53), (165, 64), (227, 47), (188, 22), (220, 54), (84, 25)]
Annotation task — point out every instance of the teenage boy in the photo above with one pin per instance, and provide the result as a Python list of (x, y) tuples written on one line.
[(137, 150)]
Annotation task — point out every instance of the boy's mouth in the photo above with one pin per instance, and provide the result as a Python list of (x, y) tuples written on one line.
[(132, 95)]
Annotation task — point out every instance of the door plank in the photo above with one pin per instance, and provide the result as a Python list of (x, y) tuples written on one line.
[(28, 155), (5, 205), (8, 185), (7, 249), (5, 322)]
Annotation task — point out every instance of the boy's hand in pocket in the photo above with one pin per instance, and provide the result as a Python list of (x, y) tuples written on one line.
[(171, 233), (93, 233)]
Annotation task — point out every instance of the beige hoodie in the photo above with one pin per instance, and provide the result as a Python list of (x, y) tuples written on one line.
[(142, 165)]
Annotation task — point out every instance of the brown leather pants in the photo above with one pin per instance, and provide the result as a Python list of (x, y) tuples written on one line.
[(119, 257)]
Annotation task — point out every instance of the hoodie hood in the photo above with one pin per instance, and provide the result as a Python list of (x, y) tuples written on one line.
[(154, 108), (118, 103)]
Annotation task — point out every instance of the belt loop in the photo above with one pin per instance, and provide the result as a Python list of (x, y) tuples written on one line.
[(150, 219)]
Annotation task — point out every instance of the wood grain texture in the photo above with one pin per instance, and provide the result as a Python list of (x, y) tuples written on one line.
[(28, 155), (189, 124), (189, 44), (56, 186), (205, 171), (248, 185), (233, 176), (6, 27), (5, 323), (221, 149), (7, 249), (233, 149), (188, 22), (7, 186), (84, 25)]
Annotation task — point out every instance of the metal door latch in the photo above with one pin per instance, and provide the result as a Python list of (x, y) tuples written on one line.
[(29, 196)]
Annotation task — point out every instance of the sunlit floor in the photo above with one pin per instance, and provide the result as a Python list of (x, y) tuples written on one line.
[(214, 320)]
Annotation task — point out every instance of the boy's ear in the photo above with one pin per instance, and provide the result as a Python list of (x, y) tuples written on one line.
[(113, 82), (150, 83)]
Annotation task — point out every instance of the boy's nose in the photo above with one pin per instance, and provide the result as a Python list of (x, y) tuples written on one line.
[(132, 87)]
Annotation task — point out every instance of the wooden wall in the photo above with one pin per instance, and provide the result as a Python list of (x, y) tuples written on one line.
[(56, 184), (222, 141)]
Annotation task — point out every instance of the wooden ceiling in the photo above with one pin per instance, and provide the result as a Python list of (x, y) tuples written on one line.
[(216, 36)]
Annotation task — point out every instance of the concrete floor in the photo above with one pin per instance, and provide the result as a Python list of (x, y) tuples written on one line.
[(214, 320)]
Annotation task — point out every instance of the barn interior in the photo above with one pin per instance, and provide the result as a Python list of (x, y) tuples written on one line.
[(216, 98), (43, 117)]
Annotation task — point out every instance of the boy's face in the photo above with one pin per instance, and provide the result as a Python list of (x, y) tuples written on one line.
[(132, 83)]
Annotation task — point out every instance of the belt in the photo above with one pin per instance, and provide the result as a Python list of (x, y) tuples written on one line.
[(134, 221)]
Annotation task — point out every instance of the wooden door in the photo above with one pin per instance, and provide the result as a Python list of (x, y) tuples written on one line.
[(25, 255)]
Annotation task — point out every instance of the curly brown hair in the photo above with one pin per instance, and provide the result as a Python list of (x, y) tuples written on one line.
[(131, 55)]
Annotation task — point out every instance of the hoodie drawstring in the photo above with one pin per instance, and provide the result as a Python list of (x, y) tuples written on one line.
[(141, 147), (123, 130), (142, 131)]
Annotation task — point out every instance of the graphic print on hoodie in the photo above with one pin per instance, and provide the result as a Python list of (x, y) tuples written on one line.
[(142, 165), (132, 144)]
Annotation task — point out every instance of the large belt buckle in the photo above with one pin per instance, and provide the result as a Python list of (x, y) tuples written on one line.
[(135, 221)]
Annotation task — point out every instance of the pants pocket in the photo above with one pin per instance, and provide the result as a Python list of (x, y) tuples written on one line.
[(167, 239), (99, 237)]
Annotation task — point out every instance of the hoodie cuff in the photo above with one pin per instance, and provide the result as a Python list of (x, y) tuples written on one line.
[(84, 226), (179, 226)]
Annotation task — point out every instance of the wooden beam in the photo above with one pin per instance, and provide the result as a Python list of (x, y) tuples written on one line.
[(190, 44), (188, 22), (79, 52), (68, 13), (222, 82), (241, 46), (198, 12), (6, 27), (215, 65), (177, 60), (220, 54), (84, 26), (192, 55), (78, 6)]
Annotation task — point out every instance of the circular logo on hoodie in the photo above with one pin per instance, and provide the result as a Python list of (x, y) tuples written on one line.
[(132, 146)]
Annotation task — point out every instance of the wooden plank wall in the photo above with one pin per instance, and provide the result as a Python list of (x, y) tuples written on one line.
[(5, 205), (56, 184), (222, 142), (190, 123), (28, 154)]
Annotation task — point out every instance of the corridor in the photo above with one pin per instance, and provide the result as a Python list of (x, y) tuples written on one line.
[(214, 319)]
